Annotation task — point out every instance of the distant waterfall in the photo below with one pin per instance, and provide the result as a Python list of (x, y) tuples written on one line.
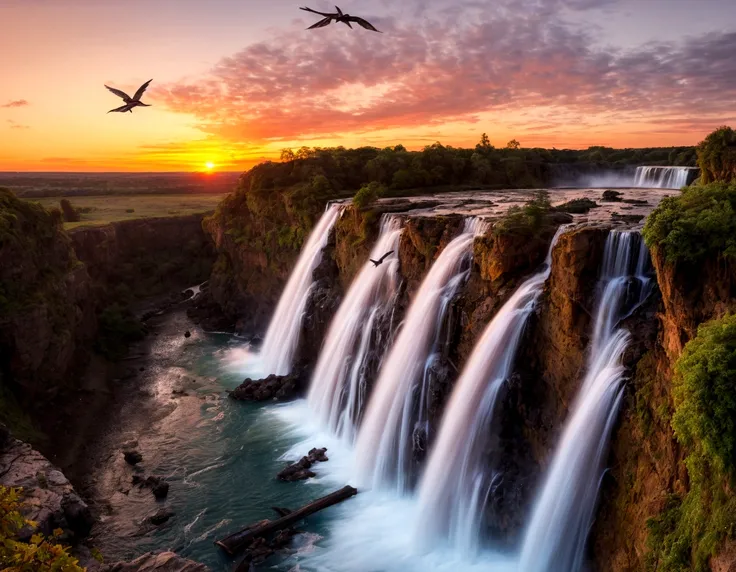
[(663, 177), (457, 480), (397, 413), (337, 390), (556, 537), (282, 337)]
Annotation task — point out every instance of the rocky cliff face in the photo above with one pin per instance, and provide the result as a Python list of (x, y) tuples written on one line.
[(647, 464), (47, 318), (137, 259)]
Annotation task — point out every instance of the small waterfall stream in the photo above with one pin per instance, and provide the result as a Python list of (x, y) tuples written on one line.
[(663, 177), (336, 392), (457, 479), (556, 536), (398, 409), (282, 336)]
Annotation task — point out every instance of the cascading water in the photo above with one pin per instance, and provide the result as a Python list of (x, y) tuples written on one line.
[(458, 479), (555, 539), (396, 417), (663, 177), (336, 393), (282, 337)]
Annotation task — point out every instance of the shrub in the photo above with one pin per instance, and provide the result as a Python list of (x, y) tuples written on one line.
[(692, 528), (368, 194), (705, 392), (527, 219), (38, 555), (698, 223), (69, 213), (717, 156)]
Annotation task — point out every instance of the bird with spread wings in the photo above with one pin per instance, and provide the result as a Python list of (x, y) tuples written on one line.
[(339, 16), (130, 102), (380, 260)]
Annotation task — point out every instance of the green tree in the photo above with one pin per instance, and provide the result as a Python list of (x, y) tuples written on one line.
[(717, 156), (287, 155), (513, 144), (368, 194), (484, 145)]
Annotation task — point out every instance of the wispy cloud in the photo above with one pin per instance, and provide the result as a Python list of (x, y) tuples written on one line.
[(13, 125), (16, 103), (455, 68)]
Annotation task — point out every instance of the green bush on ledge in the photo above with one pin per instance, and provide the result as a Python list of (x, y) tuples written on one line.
[(700, 222), (693, 527)]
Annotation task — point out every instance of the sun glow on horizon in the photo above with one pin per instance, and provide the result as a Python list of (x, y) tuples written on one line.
[(209, 165)]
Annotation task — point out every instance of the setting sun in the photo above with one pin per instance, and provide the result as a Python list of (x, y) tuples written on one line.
[(209, 165)]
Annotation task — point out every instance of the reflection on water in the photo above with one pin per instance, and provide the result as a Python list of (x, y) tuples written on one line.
[(220, 457)]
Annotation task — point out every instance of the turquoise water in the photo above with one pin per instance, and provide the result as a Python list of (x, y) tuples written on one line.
[(220, 457)]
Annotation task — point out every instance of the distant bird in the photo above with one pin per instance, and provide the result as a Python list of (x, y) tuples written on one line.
[(340, 17), (130, 102), (380, 260)]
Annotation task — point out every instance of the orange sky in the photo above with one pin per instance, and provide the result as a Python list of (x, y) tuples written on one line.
[(235, 81)]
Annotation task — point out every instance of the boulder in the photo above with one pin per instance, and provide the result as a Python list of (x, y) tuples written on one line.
[(611, 196), (160, 516), (274, 387), (159, 487), (132, 457), (300, 470), (48, 497)]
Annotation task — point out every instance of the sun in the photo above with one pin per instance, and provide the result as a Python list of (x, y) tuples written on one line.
[(209, 165)]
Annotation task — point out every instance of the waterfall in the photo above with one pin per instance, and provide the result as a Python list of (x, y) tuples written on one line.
[(458, 479), (557, 533), (282, 337), (337, 389), (397, 415), (663, 177)]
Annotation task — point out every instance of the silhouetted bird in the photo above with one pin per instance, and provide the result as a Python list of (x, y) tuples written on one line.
[(339, 17), (130, 102), (380, 260)]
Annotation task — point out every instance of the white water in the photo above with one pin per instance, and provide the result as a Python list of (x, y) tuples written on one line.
[(337, 388), (397, 412), (556, 536), (282, 337), (662, 177), (458, 478)]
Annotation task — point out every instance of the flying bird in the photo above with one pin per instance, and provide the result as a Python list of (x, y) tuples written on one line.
[(130, 102), (380, 260), (339, 17)]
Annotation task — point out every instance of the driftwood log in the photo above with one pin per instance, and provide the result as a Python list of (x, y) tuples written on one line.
[(238, 541)]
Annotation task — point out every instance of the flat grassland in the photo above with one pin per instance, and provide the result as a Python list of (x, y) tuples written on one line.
[(98, 210)]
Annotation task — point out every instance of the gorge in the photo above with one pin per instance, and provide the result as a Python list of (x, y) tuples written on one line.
[(498, 389)]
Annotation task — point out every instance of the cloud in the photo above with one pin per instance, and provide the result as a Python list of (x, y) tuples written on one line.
[(14, 125), (456, 68), (16, 103)]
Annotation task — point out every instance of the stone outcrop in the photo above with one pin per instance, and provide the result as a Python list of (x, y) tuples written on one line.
[(48, 498), (272, 388)]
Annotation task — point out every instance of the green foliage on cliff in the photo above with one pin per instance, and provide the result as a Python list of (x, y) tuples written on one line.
[(40, 554), (705, 392), (368, 194), (527, 220), (717, 156), (692, 527), (700, 222)]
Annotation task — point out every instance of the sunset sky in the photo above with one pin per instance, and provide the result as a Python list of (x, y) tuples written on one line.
[(235, 81)]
